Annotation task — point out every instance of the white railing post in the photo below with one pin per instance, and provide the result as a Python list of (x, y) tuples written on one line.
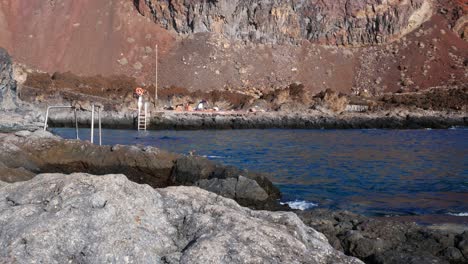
[(76, 124), (46, 117), (100, 127), (92, 123)]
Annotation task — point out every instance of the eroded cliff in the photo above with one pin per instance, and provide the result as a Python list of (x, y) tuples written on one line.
[(342, 22)]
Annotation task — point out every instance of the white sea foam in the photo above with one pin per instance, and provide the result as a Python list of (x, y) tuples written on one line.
[(214, 157), (300, 205), (458, 214)]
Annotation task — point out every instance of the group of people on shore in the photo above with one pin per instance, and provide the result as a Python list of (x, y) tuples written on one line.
[(201, 106)]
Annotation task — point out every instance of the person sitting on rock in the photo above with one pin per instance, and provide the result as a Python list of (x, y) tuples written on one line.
[(200, 106)]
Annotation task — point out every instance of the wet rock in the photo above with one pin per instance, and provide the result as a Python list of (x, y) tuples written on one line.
[(398, 257), (56, 218), (462, 243), (452, 254), (384, 241)]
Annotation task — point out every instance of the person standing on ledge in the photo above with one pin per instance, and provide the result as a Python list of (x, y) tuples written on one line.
[(139, 92)]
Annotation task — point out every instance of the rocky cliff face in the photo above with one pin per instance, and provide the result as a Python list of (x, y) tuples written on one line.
[(78, 218), (342, 22), (7, 82), (212, 45)]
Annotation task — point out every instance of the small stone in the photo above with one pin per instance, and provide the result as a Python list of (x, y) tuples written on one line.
[(123, 61), (452, 254), (137, 65), (23, 133)]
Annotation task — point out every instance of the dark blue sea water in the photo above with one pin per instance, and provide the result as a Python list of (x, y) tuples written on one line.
[(373, 172)]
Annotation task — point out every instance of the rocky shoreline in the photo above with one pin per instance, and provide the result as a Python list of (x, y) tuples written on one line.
[(27, 155), (395, 119)]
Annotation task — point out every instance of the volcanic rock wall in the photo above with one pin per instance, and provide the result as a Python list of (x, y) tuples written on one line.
[(353, 45), (7, 83), (343, 22)]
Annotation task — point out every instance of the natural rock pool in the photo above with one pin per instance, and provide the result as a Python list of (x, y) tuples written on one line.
[(373, 172)]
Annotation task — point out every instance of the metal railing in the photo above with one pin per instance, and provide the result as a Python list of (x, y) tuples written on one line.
[(92, 124), (76, 119), (61, 106)]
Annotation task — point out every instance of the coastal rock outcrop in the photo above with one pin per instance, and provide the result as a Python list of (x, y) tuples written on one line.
[(231, 182), (25, 154), (56, 218), (340, 22), (7, 82), (386, 241)]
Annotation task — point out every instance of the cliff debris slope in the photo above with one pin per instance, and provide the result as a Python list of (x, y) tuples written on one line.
[(56, 218), (346, 45)]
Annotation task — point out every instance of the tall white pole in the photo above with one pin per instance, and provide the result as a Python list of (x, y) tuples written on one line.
[(92, 123), (156, 73)]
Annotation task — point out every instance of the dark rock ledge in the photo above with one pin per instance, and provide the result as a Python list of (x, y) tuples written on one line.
[(25, 154), (382, 241), (394, 119)]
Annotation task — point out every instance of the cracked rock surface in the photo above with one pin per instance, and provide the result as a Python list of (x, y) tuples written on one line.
[(80, 218), (342, 22)]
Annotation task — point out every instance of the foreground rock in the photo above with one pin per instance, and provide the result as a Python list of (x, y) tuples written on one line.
[(56, 218), (25, 154), (388, 242)]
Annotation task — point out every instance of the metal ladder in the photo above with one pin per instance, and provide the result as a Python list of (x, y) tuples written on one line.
[(142, 116)]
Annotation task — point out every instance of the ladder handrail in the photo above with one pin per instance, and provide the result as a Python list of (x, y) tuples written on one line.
[(93, 106), (58, 107)]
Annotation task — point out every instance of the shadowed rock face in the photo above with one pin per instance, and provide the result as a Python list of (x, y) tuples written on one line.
[(98, 219), (7, 82), (342, 22)]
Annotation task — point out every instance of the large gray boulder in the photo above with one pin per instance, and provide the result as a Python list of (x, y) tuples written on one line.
[(80, 218), (7, 82)]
